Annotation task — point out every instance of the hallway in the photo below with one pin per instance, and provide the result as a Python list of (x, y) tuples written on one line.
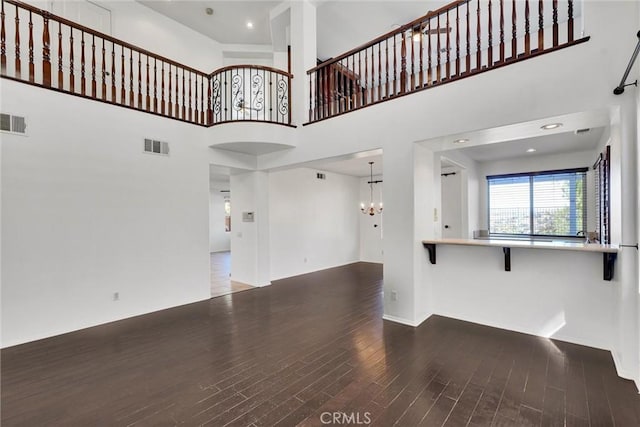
[(221, 283)]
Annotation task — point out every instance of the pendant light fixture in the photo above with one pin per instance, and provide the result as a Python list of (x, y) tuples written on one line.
[(371, 210)]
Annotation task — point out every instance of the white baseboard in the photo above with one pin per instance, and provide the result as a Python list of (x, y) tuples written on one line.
[(106, 320), (403, 321), (255, 285), (302, 273), (524, 330), (261, 285), (623, 373)]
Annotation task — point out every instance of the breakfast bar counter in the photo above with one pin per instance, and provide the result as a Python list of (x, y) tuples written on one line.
[(609, 252)]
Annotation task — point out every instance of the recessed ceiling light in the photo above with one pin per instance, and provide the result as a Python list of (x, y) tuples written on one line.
[(551, 126), (531, 150), (208, 11), (460, 141), (249, 24)]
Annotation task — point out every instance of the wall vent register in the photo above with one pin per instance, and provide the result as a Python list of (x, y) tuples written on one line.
[(13, 124), (153, 146)]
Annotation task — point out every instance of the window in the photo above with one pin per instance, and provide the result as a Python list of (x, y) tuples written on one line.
[(551, 203)]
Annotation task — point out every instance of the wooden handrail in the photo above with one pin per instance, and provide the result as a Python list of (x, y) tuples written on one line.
[(256, 67), (98, 34)]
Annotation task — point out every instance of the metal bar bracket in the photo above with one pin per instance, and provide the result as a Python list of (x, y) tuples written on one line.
[(507, 259), (431, 248), (608, 261)]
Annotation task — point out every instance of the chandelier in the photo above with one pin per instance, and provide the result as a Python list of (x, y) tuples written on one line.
[(371, 210)]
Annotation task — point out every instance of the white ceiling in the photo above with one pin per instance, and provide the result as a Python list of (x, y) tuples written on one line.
[(342, 24), (256, 148), (519, 131), (565, 142), (354, 165), (345, 24), (228, 24)]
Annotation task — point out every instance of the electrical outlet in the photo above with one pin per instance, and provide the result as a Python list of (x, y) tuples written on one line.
[(394, 295), (116, 296)]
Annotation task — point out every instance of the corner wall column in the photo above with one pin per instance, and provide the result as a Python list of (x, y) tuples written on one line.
[(250, 262)]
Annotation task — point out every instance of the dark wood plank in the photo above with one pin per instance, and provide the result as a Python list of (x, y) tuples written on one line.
[(439, 412), (553, 408), (529, 417)]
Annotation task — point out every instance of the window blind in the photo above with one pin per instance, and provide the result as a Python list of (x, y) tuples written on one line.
[(550, 203)]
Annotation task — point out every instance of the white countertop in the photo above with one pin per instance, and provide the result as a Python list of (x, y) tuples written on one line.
[(530, 244)]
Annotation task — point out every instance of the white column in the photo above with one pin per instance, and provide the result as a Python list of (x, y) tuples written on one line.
[(624, 139), (250, 228), (303, 56), (409, 171)]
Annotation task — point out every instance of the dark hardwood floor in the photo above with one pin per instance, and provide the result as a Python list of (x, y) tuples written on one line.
[(311, 350)]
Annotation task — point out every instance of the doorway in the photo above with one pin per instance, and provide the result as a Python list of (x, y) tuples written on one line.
[(220, 227)]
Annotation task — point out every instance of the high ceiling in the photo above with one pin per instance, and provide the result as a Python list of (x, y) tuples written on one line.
[(342, 24), (227, 24)]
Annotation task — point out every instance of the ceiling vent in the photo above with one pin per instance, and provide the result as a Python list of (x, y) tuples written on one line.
[(153, 146), (581, 131), (13, 124), (321, 175)]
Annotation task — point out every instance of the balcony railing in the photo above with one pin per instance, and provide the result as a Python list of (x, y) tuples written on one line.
[(461, 39), (42, 49), (250, 93)]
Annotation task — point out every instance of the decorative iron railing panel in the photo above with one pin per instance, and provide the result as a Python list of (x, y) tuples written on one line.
[(251, 93), (460, 39)]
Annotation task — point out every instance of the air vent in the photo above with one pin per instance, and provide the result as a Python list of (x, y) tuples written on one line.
[(13, 124), (153, 146), (580, 131), (320, 175)]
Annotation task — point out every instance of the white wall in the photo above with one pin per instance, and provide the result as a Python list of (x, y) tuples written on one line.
[(85, 213), (219, 239), (558, 294), (150, 30), (314, 224), (371, 236), (143, 27)]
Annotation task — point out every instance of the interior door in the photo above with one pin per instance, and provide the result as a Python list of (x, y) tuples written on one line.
[(451, 211)]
